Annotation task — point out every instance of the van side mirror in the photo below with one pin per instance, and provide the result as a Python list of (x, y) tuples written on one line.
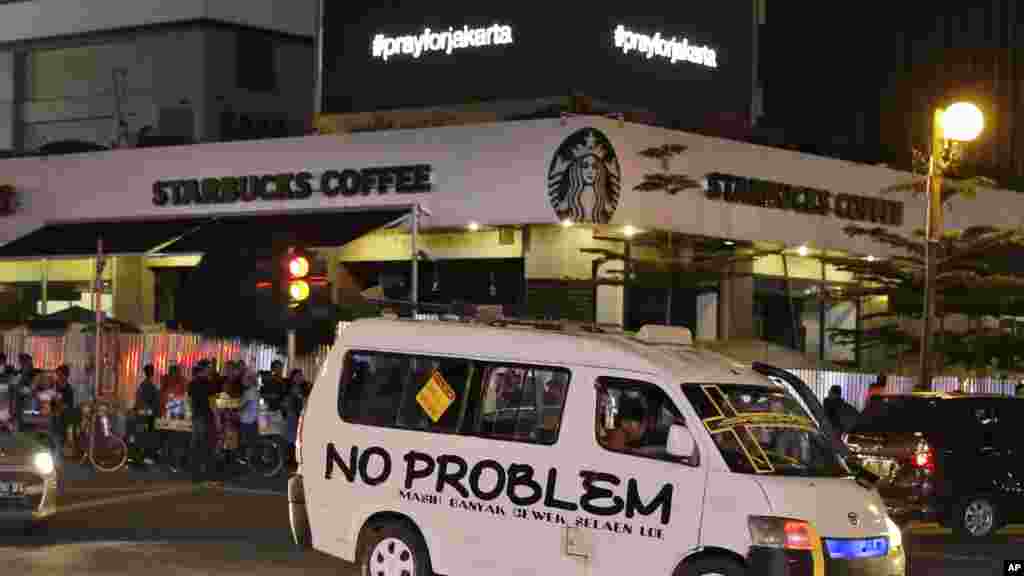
[(680, 442)]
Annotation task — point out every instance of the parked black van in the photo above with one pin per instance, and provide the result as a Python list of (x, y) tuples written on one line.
[(953, 458)]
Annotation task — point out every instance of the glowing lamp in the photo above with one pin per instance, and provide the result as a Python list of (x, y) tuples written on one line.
[(962, 122)]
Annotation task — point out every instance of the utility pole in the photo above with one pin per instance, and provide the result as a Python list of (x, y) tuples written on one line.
[(933, 233), (291, 349), (318, 62), (120, 126), (97, 303), (414, 225)]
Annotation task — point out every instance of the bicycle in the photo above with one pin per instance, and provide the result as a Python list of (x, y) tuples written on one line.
[(263, 454), (105, 450)]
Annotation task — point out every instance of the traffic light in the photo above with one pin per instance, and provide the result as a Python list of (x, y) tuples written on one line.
[(298, 264)]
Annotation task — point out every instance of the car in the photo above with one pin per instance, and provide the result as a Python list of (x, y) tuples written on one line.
[(28, 474), (957, 459), (459, 447)]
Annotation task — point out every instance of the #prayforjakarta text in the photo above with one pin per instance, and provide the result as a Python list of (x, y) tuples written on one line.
[(429, 41), (671, 49)]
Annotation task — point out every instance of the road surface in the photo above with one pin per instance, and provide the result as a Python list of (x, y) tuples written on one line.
[(150, 523)]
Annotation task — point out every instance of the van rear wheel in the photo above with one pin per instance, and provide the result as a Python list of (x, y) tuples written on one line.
[(712, 566), (393, 550)]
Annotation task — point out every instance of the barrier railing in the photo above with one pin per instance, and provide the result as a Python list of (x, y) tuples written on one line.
[(127, 353), (855, 385), (133, 351)]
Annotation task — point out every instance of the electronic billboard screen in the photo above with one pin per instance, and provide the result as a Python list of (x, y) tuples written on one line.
[(688, 64)]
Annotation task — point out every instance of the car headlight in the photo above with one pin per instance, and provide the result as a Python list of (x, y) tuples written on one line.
[(43, 462), (895, 534)]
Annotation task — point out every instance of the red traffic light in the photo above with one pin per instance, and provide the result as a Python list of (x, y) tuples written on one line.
[(298, 266)]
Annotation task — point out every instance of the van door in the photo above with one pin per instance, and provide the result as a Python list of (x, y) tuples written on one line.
[(520, 424), (471, 446), (643, 504)]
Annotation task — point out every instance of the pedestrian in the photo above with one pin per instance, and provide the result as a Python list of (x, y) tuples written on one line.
[(213, 376), (199, 396), (172, 385), (6, 370), (147, 407), (876, 388), (233, 374), (839, 412), (274, 386), (22, 395), (249, 413), (61, 401), (292, 405)]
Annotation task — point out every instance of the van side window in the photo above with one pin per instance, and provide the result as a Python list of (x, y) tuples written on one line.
[(634, 417), (403, 391), (372, 388), (453, 396), (522, 403)]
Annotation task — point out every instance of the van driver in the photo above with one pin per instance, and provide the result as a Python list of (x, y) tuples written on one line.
[(631, 433)]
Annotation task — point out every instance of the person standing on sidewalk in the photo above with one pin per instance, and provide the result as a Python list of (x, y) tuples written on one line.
[(292, 404), (839, 412), (275, 387), (877, 388), (23, 390), (172, 385), (249, 429), (199, 396), (6, 370), (63, 400), (147, 407)]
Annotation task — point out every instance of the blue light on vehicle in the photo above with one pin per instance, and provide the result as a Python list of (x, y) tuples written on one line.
[(858, 548)]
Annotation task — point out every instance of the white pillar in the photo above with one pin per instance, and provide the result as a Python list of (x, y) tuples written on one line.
[(414, 224)]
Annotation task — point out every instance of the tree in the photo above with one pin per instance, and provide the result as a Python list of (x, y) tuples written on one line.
[(956, 176), (975, 275), (664, 180)]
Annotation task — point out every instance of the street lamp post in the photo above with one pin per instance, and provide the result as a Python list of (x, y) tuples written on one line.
[(961, 122)]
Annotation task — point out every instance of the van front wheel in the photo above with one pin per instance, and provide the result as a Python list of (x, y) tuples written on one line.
[(393, 550), (712, 566)]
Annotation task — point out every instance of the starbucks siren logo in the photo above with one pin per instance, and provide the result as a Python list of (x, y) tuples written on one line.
[(583, 180)]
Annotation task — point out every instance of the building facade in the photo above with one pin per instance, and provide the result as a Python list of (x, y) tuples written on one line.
[(110, 73), (524, 214)]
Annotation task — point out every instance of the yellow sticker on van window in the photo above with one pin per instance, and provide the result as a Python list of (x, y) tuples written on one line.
[(436, 396)]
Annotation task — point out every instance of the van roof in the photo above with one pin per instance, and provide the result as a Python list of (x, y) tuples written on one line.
[(514, 343)]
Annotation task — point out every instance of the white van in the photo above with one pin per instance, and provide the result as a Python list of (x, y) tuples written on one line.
[(432, 447)]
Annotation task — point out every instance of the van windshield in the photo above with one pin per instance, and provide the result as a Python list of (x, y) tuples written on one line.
[(764, 430)]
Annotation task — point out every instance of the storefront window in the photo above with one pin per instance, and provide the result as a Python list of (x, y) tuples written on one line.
[(799, 319), (63, 295)]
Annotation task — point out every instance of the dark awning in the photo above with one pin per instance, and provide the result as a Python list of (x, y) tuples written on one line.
[(79, 239), (197, 235), (313, 230)]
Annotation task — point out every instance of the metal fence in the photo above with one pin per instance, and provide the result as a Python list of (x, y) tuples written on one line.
[(855, 385), (126, 354)]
